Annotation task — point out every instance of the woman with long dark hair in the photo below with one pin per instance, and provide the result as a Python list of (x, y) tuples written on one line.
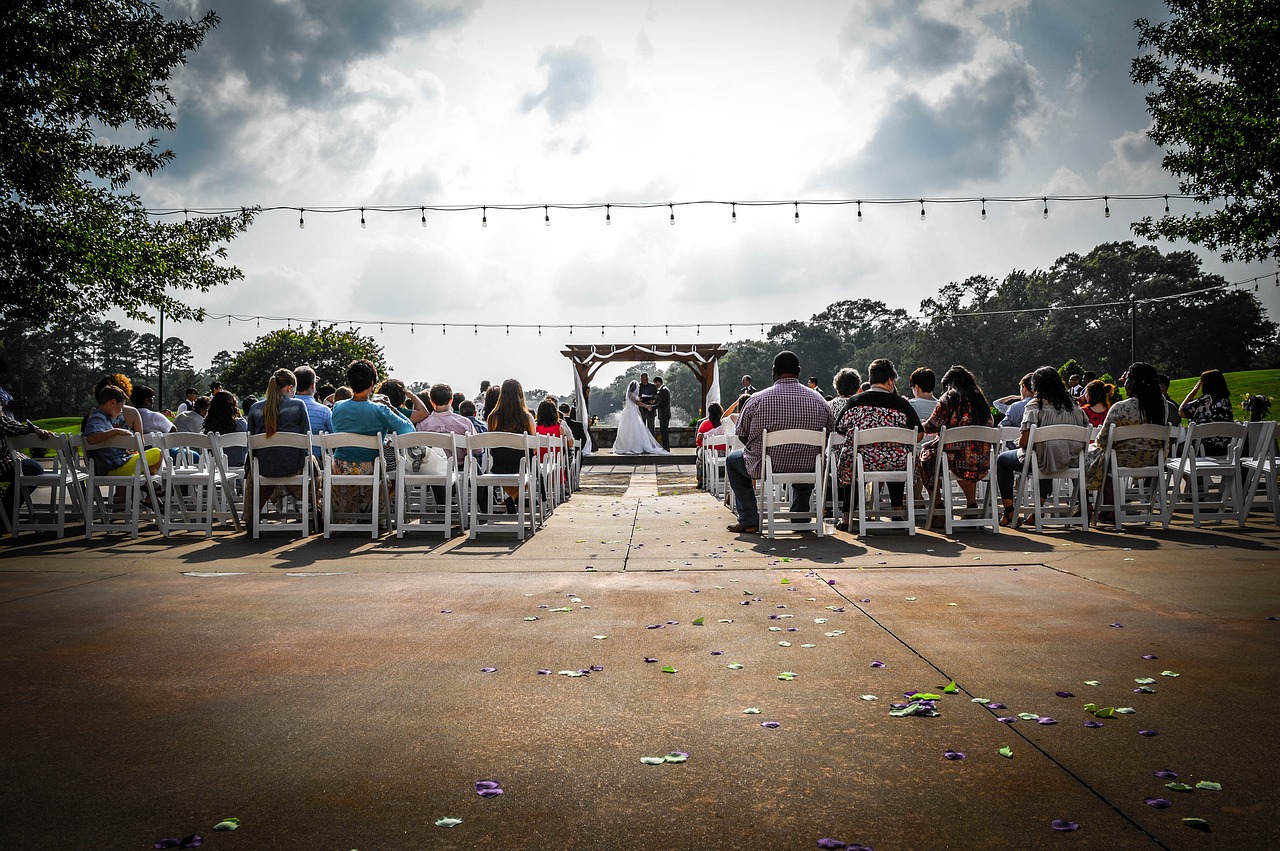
[(224, 418), (509, 414), (1210, 402), (1094, 401), (1051, 404), (963, 404), (1144, 405)]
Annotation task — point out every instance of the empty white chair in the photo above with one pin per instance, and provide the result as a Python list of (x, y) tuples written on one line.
[(427, 461), (524, 480), (1259, 466), (987, 514), (1210, 485), (191, 474), (64, 479), (1138, 494), (140, 487), (873, 485), (714, 451), (775, 486), (1071, 509), (835, 441), (294, 496), (375, 480)]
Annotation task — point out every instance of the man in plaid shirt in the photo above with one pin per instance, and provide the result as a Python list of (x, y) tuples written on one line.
[(787, 404)]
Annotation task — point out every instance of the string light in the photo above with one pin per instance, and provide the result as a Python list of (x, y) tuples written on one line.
[(608, 217), (424, 216), (362, 224), (1166, 205), (733, 212), (1045, 214), (475, 329), (546, 216), (484, 217), (1106, 210), (797, 203), (859, 214), (672, 208), (301, 224), (984, 209), (922, 209)]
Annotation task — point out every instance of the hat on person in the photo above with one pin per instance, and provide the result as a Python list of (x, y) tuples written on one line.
[(786, 363)]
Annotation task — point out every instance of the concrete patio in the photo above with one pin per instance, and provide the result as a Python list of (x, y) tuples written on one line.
[(333, 694)]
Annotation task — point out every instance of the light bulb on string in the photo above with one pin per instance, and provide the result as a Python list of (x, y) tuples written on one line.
[(859, 219), (1166, 205), (570, 330), (697, 330), (797, 203), (1106, 209), (733, 212), (922, 209), (362, 224), (484, 217), (984, 209), (410, 327), (381, 330), (730, 330), (672, 208), (508, 330), (539, 330), (1045, 213), (546, 216), (601, 330), (665, 331), (424, 216), (259, 321), (608, 217), (301, 224), (444, 329)]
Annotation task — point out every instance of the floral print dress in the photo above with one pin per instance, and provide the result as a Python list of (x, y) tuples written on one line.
[(970, 460)]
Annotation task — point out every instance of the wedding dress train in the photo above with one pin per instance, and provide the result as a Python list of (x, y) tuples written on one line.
[(633, 438)]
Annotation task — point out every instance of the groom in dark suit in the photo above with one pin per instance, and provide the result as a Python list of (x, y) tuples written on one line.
[(662, 407), (648, 393)]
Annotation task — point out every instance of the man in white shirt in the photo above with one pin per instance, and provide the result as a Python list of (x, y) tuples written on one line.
[(922, 383), (192, 420), (189, 403)]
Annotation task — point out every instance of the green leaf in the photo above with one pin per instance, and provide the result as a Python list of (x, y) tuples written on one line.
[(1109, 712), (699, 621), (1169, 674), (869, 697), (1177, 787), (1126, 710), (653, 760), (951, 688), (983, 700), (1091, 707), (1144, 681), (751, 710), (448, 821), (1092, 682), (676, 756), (1209, 785), (1028, 716), (668, 669), (735, 666), (1006, 752), (232, 823), (785, 581), (925, 695)]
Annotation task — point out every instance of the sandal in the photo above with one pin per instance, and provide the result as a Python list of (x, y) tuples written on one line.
[(740, 529), (842, 525), (1007, 519)]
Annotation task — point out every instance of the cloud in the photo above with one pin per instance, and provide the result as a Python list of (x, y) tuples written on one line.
[(918, 44), (574, 80)]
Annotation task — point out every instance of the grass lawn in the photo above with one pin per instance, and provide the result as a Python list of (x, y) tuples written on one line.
[(61, 425), (1265, 382)]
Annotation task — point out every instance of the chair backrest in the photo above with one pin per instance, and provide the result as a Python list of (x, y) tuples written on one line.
[(1043, 434), (498, 439), (974, 434), (1136, 432), (1261, 442), (1010, 433), (884, 434), (131, 443), (28, 442), (434, 439), (800, 436), (187, 440), (348, 439), (233, 438), (279, 440)]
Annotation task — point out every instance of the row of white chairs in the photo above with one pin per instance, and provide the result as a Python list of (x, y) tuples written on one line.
[(196, 487), (1186, 477)]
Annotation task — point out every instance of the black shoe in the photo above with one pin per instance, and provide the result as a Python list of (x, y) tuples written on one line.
[(510, 505)]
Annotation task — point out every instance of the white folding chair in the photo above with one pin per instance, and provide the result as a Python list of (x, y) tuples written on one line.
[(872, 485), (714, 450), (524, 480), (290, 514), (1259, 466), (191, 473), (775, 486), (835, 442), (1210, 486), (102, 513), (987, 513), (416, 475), (64, 479), (1138, 494), (375, 480), (1071, 509)]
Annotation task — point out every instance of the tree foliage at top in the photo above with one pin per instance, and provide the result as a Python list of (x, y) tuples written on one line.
[(327, 349), (71, 73), (1216, 110)]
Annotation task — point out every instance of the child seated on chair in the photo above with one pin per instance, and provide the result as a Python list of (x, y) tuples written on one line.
[(98, 428)]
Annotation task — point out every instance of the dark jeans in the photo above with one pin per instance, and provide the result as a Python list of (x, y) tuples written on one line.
[(1008, 464), (744, 491)]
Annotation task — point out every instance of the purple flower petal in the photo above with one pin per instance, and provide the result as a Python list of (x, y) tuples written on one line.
[(1149, 657), (717, 652), (487, 670), (831, 582), (489, 793), (1092, 723), (772, 725), (672, 623), (446, 611), (542, 605), (1158, 803), (487, 784), (1166, 774), (194, 840), (544, 671), (1006, 719), (1064, 694), (832, 844), (1063, 824), (597, 668), (650, 659), (865, 600), (780, 606), (1148, 733), (793, 629), (1115, 626), (996, 706), (954, 755), (838, 609), (775, 617), (877, 664), (745, 603), (1046, 720), (171, 842)]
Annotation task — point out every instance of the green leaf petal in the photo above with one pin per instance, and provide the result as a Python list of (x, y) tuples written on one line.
[(1028, 716), (1144, 681), (1091, 707), (653, 760), (1006, 752), (676, 756), (785, 581), (1092, 682), (751, 710), (1105, 713), (699, 621), (869, 697), (735, 666), (667, 669), (1126, 710), (448, 821), (1169, 674), (983, 700), (1209, 785), (1178, 787), (232, 823), (951, 688)]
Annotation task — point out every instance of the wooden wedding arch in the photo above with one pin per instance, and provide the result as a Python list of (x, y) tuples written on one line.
[(699, 357)]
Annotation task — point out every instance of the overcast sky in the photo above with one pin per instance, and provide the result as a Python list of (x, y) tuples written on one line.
[(310, 103)]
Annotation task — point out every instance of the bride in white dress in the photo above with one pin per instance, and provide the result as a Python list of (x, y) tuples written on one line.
[(633, 438)]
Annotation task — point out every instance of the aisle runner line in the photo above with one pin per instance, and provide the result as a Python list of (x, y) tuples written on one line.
[(644, 484)]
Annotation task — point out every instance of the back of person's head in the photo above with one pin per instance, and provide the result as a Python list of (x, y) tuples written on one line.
[(467, 409), (786, 363), (277, 386), (109, 393), (201, 405), (1089, 375), (394, 390), (115, 379), (864, 386), (1163, 381), (458, 399), (142, 396), (222, 413), (441, 394), (881, 371), (491, 398), (484, 386), (846, 381), (189, 391), (742, 401), (1141, 382), (324, 391), (565, 410), (715, 413), (1095, 392), (1025, 383), (341, 394), (1047, 384), (510, 413), (306, 377), (361, 374), (548, 415), (1214, 383), (924, 378), (961, 380)]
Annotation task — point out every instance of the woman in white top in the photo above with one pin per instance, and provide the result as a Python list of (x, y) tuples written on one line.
[(633, 438)]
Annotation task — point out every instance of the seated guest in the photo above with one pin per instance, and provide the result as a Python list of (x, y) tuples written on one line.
[(129, 417), (879, 406), (490, 401), (1094, 402), (8, 472), (1013, 406), (100, 426), (319, 414), (963, 404), (1050, 404), (324, 393), (1175, 415), (575, 426), (787, 404), (547, 421), (443, 420), (1210, 402), (153, 422), (404, 400), (1144, 405), (360, 415), (468, 410), (922, 382), (341, 394), (458, 399), (280, 411), (224, 418), (509, 414), (480, 397), (711, 426), (846, 383), (189, 402), (192, 419)]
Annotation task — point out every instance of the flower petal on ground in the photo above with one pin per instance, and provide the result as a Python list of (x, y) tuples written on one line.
[(668, 669), (953, 755), (1177, 787), (1148, 733), (448, 821), (652, 760), (230, 823), (1063, 824), (1006, 752), (1169, 674), (1046, 720), (751, 710), (1092, 723), (1064, 694), (676, 756), (877, 664), (1209, 786), (1028, 716), (1005, 719), (832, 844), (1158, 803), (772, 725), (1092, 682), (1145, 681), (488, 670), (1197, 824), (869, 697), (1166, 774)]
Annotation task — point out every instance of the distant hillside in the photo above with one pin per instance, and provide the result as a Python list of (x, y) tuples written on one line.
[(1258, 381)]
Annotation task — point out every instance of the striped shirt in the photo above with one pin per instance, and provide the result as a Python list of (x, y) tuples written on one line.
[(787, 404)]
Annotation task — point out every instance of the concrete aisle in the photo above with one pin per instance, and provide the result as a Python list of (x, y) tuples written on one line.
[(334, 694)]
